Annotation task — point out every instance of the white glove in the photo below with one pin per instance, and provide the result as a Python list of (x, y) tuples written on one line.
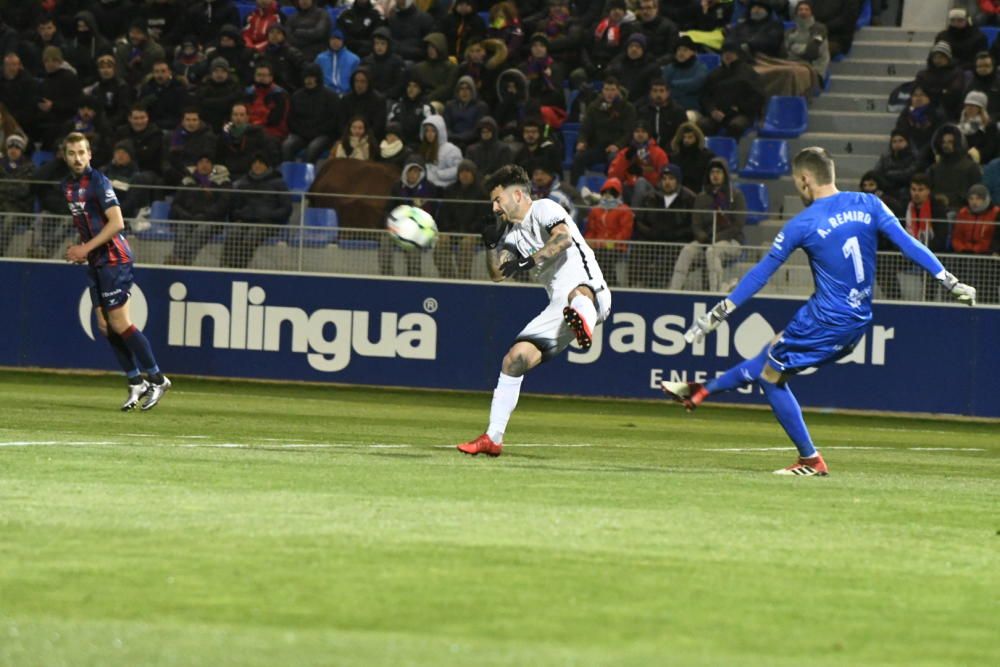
[(964, 293), (708, 322)]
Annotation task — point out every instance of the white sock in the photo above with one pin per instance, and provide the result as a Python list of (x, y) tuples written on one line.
[(504, 402), (586, 309)]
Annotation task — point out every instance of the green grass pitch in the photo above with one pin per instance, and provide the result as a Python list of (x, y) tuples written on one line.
[(253, 524)]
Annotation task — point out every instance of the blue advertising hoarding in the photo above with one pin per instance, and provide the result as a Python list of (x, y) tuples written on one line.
[(915, 358)]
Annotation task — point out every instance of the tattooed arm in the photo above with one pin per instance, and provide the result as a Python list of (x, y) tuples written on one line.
[(559, 240), (495, 258)]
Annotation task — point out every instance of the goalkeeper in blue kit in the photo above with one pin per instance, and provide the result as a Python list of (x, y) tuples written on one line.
[(839, 233)]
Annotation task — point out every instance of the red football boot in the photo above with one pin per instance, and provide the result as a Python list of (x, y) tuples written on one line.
[(814, 465), (579, 327), (481, 445), (690, 394)]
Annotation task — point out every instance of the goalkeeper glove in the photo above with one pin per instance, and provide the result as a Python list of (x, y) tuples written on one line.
[(494, 230), (964, 293), (517, 265), (708, 322)]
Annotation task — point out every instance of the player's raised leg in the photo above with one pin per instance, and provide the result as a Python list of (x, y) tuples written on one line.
[(522, 357), (121, 324), (137, 385), (692, 394), (581, 314)]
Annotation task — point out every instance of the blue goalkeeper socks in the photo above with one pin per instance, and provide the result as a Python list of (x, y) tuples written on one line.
[(739, 375), (789, 415)]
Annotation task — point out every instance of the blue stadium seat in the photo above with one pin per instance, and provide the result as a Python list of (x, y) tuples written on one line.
[(865, 15), (321, 227), (288, 10), (991, 34), (711, 60), (245, 9), (41, 157), (768, 158), (789, 25), (758, 201), (159, 227), (298, 176), (485, 16), (570, 133), (787, 117), (335, 13), (591, 181), (727, 148)]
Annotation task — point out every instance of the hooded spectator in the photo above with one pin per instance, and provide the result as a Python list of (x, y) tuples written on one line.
[(217, 93), (313, 117), (461, 26), (943, 80), (464, 206), (609, 221), (415, 189), (359, 23), (758, 32), (83, 48), (462, 114), (546, 184), (953, 171), (259, 22), (364, 101), (137, 55), (634, 68), (919, 121), (544, 75), (441, 157), (489, 153), (205, 19), (505, 24), (965, 39), (484, 61), (409, 25), (309, 28), (686, 75), (688, 151), (392, 150), (411, 111), (436, 72), (338, 63), (386, 67), (260, 201), (895, 168)]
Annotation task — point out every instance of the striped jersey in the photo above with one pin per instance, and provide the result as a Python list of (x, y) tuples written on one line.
[(89, 197)]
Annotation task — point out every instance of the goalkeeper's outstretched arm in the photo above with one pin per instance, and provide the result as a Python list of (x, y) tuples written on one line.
[(922, 255)]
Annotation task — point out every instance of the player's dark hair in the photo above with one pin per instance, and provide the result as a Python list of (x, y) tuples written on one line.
[(921, 179), (76, 138), (816, 161), (506, 176)]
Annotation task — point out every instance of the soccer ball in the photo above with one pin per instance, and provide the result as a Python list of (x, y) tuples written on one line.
[(411, 227)]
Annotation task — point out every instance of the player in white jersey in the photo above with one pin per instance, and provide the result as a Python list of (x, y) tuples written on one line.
[(541, 238)]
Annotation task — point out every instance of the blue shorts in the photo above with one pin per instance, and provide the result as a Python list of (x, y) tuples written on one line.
[(805, 343), (110, 285)]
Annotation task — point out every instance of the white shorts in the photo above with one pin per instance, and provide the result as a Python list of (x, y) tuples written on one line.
[(549, 331)]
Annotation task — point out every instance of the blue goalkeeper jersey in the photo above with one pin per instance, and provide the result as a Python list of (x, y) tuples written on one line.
[(839, 234)]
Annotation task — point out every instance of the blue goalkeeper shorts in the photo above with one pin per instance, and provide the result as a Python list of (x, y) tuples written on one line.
[(805, 343)]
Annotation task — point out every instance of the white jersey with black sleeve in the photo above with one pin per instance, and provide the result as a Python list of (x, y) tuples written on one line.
[(560, 274)]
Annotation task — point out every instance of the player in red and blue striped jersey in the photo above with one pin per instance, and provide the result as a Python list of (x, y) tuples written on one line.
[(97, 216)]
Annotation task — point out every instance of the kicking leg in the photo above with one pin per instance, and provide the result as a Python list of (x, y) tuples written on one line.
[(691, 394)]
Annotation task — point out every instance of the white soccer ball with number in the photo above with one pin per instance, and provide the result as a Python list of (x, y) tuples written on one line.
[(411, 227)]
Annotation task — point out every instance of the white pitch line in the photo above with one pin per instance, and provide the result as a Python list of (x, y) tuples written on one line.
[(923, 430), (59, 443), (532, 444), (828, 447)]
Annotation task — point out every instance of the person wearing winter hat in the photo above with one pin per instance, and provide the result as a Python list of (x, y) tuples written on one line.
[(15, 197), (686, 76), (259, 22), (980, 132), (634, 67), (943, 80), (660, 32), (665, 218), (965, 39), (391, 149), (895, 168), (489, 153), (611, 220), (387, 68), (313, 115), (308, 28), (975, 233), (338, 63)]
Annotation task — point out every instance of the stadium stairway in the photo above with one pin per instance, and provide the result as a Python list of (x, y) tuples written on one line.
[(851, 119)]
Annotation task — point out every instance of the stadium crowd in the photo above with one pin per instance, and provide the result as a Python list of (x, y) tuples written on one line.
[(216, 94)]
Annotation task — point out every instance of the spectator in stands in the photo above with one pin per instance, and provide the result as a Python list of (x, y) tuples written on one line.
[(15, 195), (544, 74), (662, 114), (309, 28), (18, 91), (895, 168), (46, 34), (240, 58), (358, 23), (259, 22), (606, 40), (90, 121), (919, 121), (758, 32), (965, 39), (974, 237), (660, 32), (872, 184), (217, 93), (987, 12), (808, 41), (364, 101), (979, 130), (537, 148), (888, 264), (9, 125), (610, 220), (189, 62), (489, 153), (411, 111), (514, 101), (943, 80), (546, 184), (564, 31), (205, 19), (991, 179), (357, 141), (953, 171), (163, 18), (441, 157), (313, 117), (128, 180), (634, 68), (731, 99), (286, 61), (188, 142), (985, 80), (51, 232), (240, 141), (267, 103), (259, 202), (461, 26), (925, 215), (717, 226), (115, 96), (205, 197), (146, 138), (461, 212), (606, 127), (391, 149), (714, 16), (505, 24), (386, 67), (415, 189), (436, 72), (338, 64), (688, 151), (164, 96), (59, 97), (484, 60), (462, 114), (665, 218), (638, 165), (137, 55), (840, 18), (686, 76), (409, 25), (83, 48)]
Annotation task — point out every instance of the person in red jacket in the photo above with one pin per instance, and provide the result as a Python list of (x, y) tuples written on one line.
[(638, 165), (975, 233), (610, 220), (988, 12), (267, 103), (259, 22)]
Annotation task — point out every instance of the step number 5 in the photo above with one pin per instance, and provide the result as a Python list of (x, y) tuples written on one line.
[(853, 250)]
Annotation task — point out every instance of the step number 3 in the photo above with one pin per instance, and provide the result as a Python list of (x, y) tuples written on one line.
[(853, 250)]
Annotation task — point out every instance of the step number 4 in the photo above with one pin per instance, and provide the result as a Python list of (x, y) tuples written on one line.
[(853, 250)]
